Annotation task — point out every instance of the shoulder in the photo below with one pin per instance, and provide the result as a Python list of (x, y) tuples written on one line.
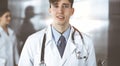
[(86, 38), (35, 38), (33, 42), (88, 41), (11, 31), (37, 35)]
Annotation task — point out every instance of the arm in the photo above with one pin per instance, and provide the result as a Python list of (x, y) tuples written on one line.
[(26, 57), (15, 51), (91, 60)]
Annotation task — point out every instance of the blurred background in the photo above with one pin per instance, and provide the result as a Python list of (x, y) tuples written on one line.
[(97, 18)]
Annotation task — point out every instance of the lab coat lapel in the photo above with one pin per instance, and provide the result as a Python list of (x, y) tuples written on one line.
[(4, 37), (51, 46), (68, 52), (70, 48), (52, 54)]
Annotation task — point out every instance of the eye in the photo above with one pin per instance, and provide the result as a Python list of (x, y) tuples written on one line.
[(65, 6), (56, 6), (7, 16)]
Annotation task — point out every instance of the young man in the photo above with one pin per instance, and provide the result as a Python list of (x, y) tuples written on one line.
[(60, 44)]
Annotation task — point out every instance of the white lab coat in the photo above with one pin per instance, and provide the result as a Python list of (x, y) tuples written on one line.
[(8, 48), (31, 52)]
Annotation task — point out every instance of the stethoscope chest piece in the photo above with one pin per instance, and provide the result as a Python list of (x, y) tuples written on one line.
[(78, 55)]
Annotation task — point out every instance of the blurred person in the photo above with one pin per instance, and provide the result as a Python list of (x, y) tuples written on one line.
[(8, 43), (27, 27), (60, 44)]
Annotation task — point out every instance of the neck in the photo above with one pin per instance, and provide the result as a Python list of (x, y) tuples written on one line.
[(61, 28)]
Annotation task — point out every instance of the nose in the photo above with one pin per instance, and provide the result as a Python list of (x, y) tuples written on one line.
[(60, 10)]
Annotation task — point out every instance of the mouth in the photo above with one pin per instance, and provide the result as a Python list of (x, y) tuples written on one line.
[(60, 17)]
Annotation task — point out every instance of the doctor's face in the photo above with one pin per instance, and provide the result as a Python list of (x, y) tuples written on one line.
[(61, 12), (5, 18)]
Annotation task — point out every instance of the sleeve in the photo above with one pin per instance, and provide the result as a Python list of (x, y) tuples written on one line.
[(16, 54), (15, 51), (26, 55), (91, 60)]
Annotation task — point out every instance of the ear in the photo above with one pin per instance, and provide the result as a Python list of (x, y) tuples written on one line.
[(72, 11), (0, 18), (49, 10)]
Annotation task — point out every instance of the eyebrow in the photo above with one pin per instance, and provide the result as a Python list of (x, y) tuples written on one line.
[(56, 3), (66, 4)]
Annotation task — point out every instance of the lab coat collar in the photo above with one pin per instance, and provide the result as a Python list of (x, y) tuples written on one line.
[(56, 35), (70, 47), (48, 35), (50, 44), (1, 29), (10, 31)]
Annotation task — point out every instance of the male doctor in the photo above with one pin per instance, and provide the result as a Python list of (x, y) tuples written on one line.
[(59, 44)]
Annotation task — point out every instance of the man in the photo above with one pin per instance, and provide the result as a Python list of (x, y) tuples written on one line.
[(60, 44)]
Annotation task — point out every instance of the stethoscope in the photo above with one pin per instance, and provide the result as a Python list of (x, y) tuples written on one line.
[(42, 63)]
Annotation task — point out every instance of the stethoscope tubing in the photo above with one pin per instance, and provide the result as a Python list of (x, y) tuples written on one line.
[(42, 63)]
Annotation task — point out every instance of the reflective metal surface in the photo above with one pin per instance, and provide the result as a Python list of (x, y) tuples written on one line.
[(114, 31)]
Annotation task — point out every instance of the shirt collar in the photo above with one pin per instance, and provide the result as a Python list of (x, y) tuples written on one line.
[(1, 30), (10, 31), (56, 35)]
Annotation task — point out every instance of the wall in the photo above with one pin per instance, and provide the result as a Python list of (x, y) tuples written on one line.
[(114, 31)]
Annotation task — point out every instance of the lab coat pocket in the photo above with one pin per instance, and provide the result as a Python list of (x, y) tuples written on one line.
[(74, 61), (78, 59), (81, 61), (2, 62)]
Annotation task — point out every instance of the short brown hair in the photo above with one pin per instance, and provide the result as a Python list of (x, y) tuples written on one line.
[(53, 1)]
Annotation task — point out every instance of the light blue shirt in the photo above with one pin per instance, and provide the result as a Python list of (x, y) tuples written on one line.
[(56, 35)]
